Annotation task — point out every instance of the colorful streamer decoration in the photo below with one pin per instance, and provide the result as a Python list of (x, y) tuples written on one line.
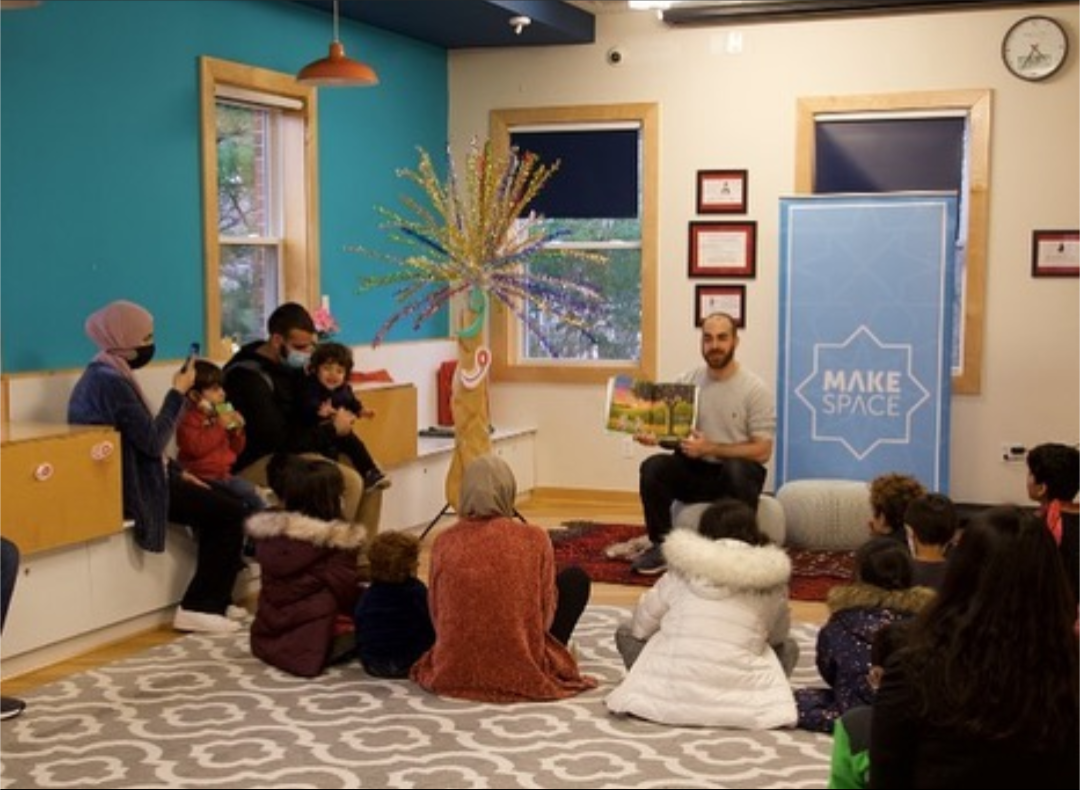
[(474, 236)]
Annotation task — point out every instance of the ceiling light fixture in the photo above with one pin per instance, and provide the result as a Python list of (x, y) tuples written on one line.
[(648, 5), (337, 69), (519, 23)]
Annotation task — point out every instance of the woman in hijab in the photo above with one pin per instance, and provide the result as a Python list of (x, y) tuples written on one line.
[(502, 616), (156, 490)]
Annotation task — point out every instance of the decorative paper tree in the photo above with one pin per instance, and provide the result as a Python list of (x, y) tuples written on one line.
[(474, 239)]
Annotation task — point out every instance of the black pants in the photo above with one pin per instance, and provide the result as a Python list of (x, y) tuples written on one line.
[(664, 478), (574, 586), (387, 668), (352, 447), (9, 572), (217, 519)]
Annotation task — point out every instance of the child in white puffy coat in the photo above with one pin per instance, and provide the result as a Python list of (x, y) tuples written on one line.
[(708, 627)]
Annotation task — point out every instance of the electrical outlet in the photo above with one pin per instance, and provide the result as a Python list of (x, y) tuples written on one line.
[(628, 447), (1013, 452)]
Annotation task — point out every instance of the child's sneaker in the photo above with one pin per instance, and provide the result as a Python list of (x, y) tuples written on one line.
[(376, 480), (10, 707)]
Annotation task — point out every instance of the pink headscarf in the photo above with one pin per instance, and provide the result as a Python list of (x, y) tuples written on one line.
[(117, 329)]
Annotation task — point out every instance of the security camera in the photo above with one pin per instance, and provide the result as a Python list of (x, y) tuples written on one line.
[(615, 56)]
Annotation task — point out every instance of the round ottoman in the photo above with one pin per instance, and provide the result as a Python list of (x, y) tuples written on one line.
[(828, 515), (770, 516)]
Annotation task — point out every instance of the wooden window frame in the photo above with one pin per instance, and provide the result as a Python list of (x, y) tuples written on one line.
[(505, 328), (300, 247)]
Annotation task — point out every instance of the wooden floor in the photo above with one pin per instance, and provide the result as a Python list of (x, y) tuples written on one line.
[(547, 508)]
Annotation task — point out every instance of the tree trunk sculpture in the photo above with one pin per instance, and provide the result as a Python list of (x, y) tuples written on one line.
[(472, 419)]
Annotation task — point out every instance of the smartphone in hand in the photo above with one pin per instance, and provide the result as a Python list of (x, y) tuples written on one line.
[(193, 353)]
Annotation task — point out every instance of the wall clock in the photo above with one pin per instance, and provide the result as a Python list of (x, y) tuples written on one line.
[(1035, 48)]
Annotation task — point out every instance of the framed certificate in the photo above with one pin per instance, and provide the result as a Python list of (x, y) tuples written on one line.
[(721, 191), (1055, 253), (730, 299), (723, 249)]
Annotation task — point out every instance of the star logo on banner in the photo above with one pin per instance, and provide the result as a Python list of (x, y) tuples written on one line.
[(862, 393)]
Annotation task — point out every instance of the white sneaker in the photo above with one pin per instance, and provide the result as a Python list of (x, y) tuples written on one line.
[(203, 622), (236, 612)]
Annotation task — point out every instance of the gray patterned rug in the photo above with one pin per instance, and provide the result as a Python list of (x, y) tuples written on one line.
[(200, 712)]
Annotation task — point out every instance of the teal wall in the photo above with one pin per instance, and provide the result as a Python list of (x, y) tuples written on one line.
[(100, 194)]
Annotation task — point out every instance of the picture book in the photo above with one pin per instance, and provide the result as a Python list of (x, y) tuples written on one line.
[(667, 410)]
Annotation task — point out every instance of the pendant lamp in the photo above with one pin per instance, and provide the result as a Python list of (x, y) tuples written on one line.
[(337, 69)]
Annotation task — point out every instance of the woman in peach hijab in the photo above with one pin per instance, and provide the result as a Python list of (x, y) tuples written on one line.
[(502, 616), (156, 490)]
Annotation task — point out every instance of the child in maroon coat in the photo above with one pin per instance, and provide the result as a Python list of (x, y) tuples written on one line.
[(308, 557)]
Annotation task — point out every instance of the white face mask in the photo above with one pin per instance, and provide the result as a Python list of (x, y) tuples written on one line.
[(298, 360)]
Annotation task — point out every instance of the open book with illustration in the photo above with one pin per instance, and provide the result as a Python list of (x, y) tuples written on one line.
[(665, 409)]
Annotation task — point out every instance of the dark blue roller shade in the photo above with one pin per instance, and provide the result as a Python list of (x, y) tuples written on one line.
[(597, 175), (892, 155)]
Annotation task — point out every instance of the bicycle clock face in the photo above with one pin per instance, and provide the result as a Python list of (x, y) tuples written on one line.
[(1035, 48)]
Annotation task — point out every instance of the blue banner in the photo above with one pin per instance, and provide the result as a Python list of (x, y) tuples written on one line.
[(866, 302)]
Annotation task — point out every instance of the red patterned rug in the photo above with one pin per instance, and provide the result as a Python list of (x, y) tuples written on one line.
[(583, 543)]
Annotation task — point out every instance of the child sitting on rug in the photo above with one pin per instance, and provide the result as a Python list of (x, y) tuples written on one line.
[(707, 626), (849, 764), (889, 497), (930, 522), (308, 555), (393, 624), (882, 593), (1053, 480), (503, 616)]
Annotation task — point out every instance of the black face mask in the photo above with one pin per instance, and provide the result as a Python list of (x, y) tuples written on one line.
[(143, 354)]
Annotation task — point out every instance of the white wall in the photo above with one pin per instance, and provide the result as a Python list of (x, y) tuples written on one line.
[(722, 110)]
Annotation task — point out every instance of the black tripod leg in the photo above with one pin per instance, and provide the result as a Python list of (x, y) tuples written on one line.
[(434, 521)]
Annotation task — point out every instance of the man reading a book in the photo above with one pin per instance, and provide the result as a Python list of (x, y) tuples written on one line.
[(725, 454)]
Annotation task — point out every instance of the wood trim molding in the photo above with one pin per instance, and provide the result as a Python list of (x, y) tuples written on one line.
[(591, 496), (301, 247)]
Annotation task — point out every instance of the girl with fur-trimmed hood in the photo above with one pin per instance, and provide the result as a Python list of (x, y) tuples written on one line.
[(709, 624), (308, 558), (881, 594)]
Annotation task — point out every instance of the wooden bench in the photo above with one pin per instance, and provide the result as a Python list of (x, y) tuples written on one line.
[(61, 484)]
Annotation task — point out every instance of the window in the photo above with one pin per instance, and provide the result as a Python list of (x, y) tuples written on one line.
[(603, 199), (907, 114), (259, 160), (869, 153)]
